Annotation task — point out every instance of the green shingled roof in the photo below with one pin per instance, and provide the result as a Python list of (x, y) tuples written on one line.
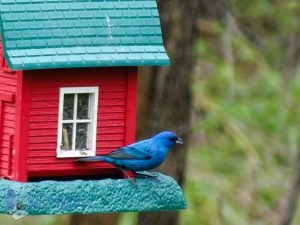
[(42, 34)]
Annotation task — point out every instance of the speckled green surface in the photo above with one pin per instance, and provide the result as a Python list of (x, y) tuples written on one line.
[(92, 196)]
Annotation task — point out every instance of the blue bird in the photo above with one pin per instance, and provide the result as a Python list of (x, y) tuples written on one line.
[(140, 156)]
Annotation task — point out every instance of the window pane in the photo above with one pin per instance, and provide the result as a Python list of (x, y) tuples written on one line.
[(83, 106), (68, 106), (81, 136), (67, 136)]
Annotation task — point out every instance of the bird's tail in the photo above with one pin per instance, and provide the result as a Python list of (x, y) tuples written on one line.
[(90, 159)]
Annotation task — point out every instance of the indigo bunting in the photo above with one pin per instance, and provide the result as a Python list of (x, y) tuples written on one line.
[(140, 156)]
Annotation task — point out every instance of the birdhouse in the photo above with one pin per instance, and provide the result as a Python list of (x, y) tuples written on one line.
[(68, 82), (68, 87)]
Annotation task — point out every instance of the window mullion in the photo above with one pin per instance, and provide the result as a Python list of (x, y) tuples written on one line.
[(84, 121), (74, 123), (67, 121), (90, 125)]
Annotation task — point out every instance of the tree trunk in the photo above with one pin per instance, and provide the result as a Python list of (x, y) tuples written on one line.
[(164, 100), (292, 198), (164, 93), (95, 219)]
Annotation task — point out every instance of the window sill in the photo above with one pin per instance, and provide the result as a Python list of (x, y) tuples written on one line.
[(74, 154)]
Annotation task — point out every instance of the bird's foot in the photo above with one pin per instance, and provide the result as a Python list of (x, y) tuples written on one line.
[(146, 176), (132, 181)]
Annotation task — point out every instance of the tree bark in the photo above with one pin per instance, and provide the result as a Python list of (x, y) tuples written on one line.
[(292, 198), (165, 99), (95, 219)]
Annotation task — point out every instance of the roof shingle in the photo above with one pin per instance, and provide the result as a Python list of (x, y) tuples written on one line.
[(41, 34)]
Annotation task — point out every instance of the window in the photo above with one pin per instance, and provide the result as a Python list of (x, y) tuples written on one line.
[(77, 122)]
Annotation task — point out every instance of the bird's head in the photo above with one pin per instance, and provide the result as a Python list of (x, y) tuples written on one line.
[(168, 139)]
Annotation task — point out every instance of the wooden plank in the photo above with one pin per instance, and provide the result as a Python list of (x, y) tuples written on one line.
[(43, 139), (7, 129), (111, 109), (40, 125), (112, 95), (10, 109), (45, 96), (9, 116), (44, 105), (42, 146), (105, 89), (110, 137), (11, 79), (8, 123), (5, 143), (7, 97), (6, 136), (131, 106), (61, 164), (111, 123), (44, 90), (110, 130), (111, 116), (19, 166), (4, 165), (112, 102), (110, 144), (5, 152), (8, 80), (52, 160), (4, 170), (52, 111), (43, 118), (44, 153), (113, 88), (8, 88), (10, 156), (42, 133)]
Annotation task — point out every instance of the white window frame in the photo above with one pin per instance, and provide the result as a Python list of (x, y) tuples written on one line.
[(92, 132)]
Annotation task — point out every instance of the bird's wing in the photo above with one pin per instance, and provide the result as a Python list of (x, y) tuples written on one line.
[(89, 159), (129, 152)]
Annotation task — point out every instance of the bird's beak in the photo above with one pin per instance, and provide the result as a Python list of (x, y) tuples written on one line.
[(179, 141)]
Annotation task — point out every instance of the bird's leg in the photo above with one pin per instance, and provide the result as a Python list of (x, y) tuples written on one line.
[(132, 180), (146, 176)]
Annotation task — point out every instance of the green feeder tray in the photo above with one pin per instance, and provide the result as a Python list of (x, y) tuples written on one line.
[(90, 196)]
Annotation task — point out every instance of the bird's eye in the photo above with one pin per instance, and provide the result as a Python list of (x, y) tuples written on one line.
[(173, 139)]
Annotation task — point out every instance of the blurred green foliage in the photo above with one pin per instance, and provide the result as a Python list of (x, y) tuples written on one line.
[(246, 132)]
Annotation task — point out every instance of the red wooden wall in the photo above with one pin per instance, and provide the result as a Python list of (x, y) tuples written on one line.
[(115, 125), (8, 88), (29, 118)]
